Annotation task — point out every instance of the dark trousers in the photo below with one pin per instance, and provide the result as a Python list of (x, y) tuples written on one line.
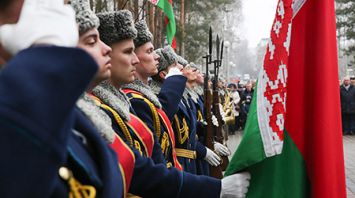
[(348, 122)]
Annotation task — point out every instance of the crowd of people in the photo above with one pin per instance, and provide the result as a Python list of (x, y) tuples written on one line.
[(236, 99), (89, 108)]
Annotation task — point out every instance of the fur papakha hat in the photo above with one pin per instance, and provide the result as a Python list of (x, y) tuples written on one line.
[(143, 34), (163, 64), (167, 57), (169, 54), (193, 65), (85, 17), (182, 61), (116, 26)]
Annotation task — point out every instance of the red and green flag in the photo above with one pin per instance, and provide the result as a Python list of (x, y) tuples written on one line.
[(292, 144), (167, 7)]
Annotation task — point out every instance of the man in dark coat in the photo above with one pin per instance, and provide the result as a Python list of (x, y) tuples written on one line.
[(347, 96)]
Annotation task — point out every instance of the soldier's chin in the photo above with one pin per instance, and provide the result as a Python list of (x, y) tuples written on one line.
[(130, 80)]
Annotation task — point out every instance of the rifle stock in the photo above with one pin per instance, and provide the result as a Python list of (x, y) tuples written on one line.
[(215, 172), (218, 130)]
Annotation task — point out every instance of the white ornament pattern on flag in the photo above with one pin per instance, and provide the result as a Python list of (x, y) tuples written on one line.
[(272, 82), (288, 39), (271, 49), (277, 27), (281, 9)]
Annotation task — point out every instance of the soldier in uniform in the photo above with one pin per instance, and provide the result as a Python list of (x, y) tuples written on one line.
[(155, 110), (114, 101), (42, 154), (220, 149), (146, 178), (185, 125)]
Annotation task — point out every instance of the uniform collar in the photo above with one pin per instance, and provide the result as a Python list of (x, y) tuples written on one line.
[(114, 98), (99, 118)]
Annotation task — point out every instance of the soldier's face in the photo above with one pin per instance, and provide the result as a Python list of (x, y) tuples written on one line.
[(148, 59), (199, 79), (190, 73), (91, 43), (124, 61)]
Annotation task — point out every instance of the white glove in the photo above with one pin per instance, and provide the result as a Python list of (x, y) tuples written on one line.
[(235, 186), (173, 72), (215, 121), (48, 22), (212, 158), (221, 149)]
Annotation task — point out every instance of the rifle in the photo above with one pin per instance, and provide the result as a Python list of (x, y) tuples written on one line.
[(209, 132), (216, 103)]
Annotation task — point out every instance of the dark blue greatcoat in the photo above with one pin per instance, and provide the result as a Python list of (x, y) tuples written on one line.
[(38, 91), (169, 97), (157, 181), (157, 155), (202, 166), (186, 112)]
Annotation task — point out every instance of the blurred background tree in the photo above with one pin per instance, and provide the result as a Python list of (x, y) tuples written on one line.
[(345, 11)]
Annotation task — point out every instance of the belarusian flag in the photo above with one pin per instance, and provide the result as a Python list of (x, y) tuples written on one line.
[(293, 147), (167, 7)]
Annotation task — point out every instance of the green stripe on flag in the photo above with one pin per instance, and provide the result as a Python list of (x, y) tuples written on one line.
[(169, 12), (280, 176), (250, 149)]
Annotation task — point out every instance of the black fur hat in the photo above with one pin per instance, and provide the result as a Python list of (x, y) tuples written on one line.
[(143, 34), (116, 26), (85, 17)]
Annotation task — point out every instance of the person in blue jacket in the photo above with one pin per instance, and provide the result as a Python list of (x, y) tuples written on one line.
[(42, 154)]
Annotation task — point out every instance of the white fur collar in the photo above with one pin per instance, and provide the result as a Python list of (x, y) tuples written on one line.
[(114, 98), (155, 86), (139, 86), (99, 118)]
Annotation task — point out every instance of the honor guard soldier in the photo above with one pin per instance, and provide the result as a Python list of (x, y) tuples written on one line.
[(186, 123), (155, 111), (219, 148), (42, 154), (112, 99)]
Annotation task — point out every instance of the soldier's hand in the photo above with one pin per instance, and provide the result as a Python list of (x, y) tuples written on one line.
[(221, 149), (235, 186), (47, 22), (212, 158)]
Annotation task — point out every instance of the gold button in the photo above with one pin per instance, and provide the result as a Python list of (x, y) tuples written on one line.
[(64, 173)]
